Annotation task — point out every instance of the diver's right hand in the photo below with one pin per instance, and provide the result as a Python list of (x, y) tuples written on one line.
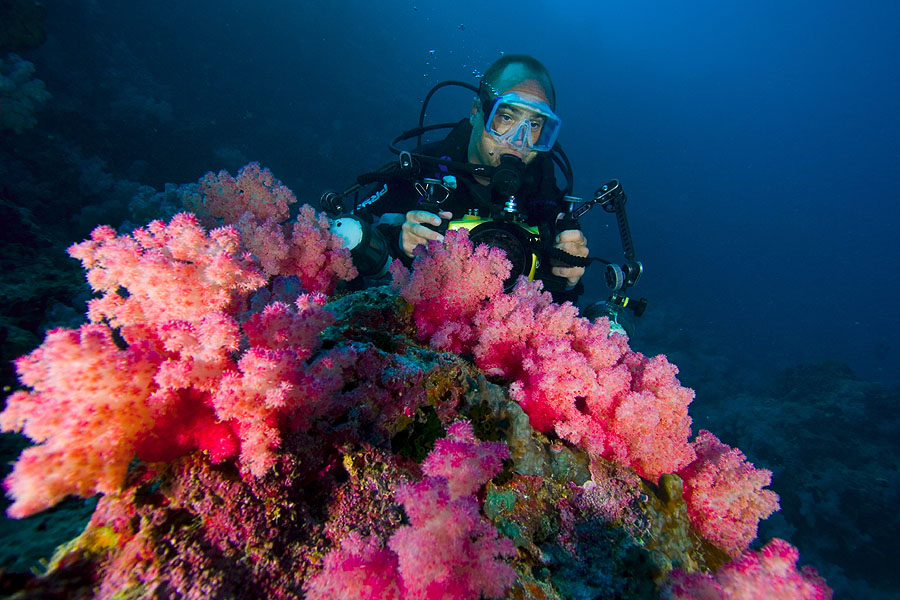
[(414, 232)]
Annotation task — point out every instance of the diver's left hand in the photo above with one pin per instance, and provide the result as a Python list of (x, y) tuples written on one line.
[(573, 242)]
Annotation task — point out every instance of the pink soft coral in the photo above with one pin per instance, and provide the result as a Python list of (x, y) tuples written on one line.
[(87, 395), (258, 206), (318, 257), (171, 291), (770, 574), (573, 377), (175, 376), (272, 386), (577, 379), (254, 190), (569, 375), (171, 271), (725, 495), (450, 283)]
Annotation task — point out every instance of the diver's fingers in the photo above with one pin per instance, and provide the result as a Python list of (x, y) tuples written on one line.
[(572, 274), (578, 247), (422, 216), (414, 225), (425, 233), (413, 232), (572, 236)]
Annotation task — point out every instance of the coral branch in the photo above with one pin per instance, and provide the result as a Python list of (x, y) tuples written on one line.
[(725, 494)]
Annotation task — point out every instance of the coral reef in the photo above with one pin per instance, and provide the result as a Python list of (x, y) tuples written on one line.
[(20, 94), (253, 437), (22, 24)]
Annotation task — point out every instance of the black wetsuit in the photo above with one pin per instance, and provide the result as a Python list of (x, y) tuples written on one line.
[(539, 201)]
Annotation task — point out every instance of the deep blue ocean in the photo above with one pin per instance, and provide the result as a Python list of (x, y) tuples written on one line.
[(758, 144)]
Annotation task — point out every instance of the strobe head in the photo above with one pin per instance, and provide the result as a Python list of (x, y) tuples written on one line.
[(624, 276), (633, 270), (368, 248), (615, 278)]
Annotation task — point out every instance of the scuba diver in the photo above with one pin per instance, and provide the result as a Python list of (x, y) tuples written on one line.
[(493, 174)]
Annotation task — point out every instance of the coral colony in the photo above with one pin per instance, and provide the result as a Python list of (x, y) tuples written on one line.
[(254, 436)]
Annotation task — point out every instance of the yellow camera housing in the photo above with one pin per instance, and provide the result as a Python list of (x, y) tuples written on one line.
[(516, 239)]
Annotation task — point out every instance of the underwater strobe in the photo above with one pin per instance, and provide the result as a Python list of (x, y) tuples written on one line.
[(619, 278), (368, 248)]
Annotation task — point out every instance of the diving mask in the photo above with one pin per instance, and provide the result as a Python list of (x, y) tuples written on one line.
[(523, 122)]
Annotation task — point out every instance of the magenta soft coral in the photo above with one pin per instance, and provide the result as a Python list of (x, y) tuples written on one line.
[(449, 551), (362, 569), (770, 574)]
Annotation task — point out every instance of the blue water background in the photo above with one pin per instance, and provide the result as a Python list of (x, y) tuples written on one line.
[(758, 144)]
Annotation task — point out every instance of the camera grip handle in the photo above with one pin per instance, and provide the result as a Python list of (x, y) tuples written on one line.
[(561, 258), (566, 223)]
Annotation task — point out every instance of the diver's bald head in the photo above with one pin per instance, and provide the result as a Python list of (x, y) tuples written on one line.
[(521, 73)]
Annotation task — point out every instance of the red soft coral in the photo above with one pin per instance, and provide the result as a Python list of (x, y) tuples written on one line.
[(770, 574), (724, 494), (182, 379)]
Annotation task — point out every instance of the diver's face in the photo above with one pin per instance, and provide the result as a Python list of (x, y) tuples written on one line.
[(486, 149)]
